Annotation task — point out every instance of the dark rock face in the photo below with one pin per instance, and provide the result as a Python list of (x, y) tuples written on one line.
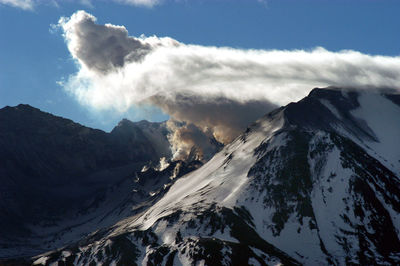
[(50, 165), (42, 146)]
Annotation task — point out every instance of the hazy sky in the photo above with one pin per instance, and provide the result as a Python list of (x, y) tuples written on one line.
[(35, 59)]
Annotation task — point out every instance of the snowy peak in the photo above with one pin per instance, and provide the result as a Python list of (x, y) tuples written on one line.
[(369, 118), (327, 109), (334, 180)]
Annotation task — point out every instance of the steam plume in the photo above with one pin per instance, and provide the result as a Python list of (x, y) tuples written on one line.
[(216, 90)]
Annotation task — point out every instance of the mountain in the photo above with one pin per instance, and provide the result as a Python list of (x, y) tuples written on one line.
[(315, 182), (59, 179)]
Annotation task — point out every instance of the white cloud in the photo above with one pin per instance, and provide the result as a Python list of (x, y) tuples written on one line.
[(87, 3), (23, 4), (263, 2), (147, 3), (216, 88), (30, 4)]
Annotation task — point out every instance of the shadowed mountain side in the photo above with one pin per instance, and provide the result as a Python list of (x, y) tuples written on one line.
[(51, 165)]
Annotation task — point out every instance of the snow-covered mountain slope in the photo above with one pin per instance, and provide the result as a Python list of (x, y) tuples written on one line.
[(316, 182)]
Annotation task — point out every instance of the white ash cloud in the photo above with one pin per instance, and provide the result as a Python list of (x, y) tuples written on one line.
[(223, 117), (217, 89), (187, 140), (101, 48)]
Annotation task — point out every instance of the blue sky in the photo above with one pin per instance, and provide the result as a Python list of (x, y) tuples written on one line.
[(33, 58)]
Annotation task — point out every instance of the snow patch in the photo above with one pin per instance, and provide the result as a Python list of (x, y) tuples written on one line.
[(214, 181), (383, 117)]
